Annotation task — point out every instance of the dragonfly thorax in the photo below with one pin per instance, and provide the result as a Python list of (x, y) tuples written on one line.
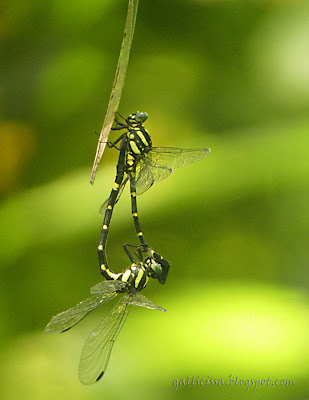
[(136, 276), (138, 140)]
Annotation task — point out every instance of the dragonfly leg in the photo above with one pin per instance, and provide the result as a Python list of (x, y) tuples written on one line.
[(113, 144), (138, 251), (117, 115), (118, 128), (119, 125), (128, 252)]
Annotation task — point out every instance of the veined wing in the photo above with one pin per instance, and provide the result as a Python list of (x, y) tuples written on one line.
[(159, 163), (106, 287), (67, 319), (148, 173), (121, 187), (173, 157), (98, 347), (137, 299)]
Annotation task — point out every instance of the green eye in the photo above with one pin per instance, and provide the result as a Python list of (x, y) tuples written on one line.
[(141, 116), (156, 268)]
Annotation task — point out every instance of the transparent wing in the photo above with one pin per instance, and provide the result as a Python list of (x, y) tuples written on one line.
[(137, 299), (173, 157), (148, 173), (98, 347), (67, 319), (121, 187), (159, 163), (106, 287)]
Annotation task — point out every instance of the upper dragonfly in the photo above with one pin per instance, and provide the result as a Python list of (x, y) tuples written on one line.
[(142, 165), (98, 347)]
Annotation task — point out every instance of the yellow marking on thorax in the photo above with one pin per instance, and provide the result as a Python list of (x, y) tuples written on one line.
[(100, 247), (126, 275), (103, 268), (105, 227), (134, 214), (131, 136), (115, 186), (134, 147), (142, 137), (140, 234), (109, 207), (139, 277), (133, 194)]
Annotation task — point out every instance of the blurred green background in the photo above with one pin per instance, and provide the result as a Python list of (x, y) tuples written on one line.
[(229, 75)]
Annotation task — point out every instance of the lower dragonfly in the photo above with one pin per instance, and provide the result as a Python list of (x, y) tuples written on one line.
[(97, 349)]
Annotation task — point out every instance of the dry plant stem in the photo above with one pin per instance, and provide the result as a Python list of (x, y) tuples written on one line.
[(117, 85)]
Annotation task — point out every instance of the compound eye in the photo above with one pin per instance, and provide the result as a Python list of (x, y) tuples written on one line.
[(141, 116), (157, 269)]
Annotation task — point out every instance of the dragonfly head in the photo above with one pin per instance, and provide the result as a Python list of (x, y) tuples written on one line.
[(154, 270), (137, 118), (157, 266), (141, 116)]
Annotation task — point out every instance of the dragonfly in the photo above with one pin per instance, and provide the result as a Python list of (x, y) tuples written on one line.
[(142, 165), (126, 286)]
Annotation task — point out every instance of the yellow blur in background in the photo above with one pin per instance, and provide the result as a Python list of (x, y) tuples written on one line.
[(232, 76)]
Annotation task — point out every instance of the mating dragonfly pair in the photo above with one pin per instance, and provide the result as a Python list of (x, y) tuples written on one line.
[(141, 165)]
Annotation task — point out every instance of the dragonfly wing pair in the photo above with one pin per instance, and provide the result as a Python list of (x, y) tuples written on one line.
[(173, 157), (156, 165), (98, 347), (67, 319), (137, 299)]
